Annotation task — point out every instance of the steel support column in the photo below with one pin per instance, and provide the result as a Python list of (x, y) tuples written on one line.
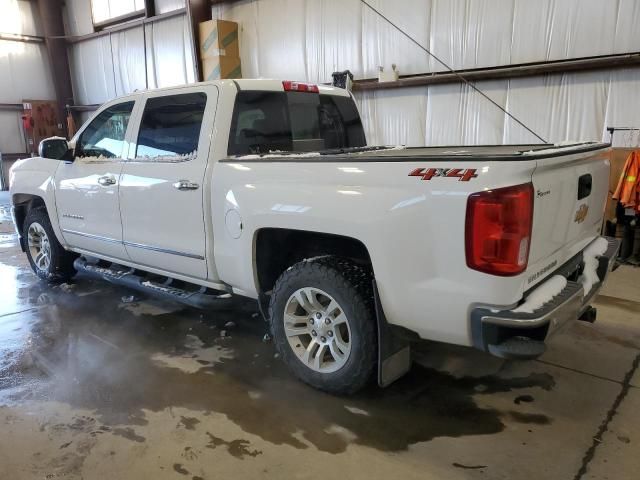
[(51, 16), (197, 11)]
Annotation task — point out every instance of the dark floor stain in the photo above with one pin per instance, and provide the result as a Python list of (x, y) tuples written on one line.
[(622, 303), (119, 381), (129, 433), (624, 439), (468, 467), (536, 418), (189, 454), (188, 422), (523, 399), (623, 339), (65, 445), (238, 448), (196, 477), (180, 469)]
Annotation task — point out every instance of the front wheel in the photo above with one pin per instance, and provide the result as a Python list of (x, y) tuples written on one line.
[(323, 323), (47, 257)]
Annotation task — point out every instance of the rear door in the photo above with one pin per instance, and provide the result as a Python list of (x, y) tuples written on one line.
[(162, 184), (87, 188), (570, 193)]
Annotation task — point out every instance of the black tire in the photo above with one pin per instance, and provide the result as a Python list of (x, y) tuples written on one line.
[(351, 286), (60, 268)]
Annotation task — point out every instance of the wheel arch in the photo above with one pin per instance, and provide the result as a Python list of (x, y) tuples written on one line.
[(22, 204), (276, 249)]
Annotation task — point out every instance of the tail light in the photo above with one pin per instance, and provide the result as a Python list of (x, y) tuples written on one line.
[(498, 230), (290, 86)]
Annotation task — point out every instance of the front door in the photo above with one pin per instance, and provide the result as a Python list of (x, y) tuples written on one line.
[(87, 188), (163, 182)]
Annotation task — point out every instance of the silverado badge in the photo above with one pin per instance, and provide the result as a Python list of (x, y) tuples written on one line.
[(581, 213)]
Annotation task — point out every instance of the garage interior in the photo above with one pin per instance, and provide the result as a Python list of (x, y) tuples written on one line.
[(99, 381)]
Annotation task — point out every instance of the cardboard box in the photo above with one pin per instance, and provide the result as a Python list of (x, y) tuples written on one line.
[(216, 68), (218, 38)]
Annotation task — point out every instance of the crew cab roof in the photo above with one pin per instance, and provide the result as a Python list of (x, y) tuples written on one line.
[(261, 84)]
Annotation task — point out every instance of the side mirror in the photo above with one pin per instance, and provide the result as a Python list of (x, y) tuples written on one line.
[(55, 148)]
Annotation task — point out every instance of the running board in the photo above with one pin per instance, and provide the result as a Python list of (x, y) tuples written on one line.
[(162, 287)]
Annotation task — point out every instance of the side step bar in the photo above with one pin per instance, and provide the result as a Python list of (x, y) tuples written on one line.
[(162, 287)]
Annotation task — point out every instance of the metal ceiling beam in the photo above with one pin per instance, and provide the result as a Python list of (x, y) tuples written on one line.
[(603, 62), (17, 37)]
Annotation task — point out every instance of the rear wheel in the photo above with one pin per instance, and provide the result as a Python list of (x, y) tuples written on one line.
[(322, 319), (47, 257)]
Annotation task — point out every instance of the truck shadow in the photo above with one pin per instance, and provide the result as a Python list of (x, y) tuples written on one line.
[(90, 354)]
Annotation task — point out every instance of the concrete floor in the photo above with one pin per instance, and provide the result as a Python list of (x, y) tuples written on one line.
[(95, 387)]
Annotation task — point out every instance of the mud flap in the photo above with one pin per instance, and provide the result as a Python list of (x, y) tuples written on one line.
[(394, 353)]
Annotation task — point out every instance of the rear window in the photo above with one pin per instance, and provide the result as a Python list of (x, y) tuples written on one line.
[(266, 122)]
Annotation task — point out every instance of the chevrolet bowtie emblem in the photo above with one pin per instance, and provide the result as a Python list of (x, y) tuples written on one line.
[(581, 213)]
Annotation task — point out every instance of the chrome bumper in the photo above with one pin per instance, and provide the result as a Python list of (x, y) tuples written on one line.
[(491, 330)]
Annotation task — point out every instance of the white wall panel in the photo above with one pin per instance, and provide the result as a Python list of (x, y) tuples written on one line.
[(394, 117), (164, 6), (322, 36), (627, 33), (25, 72), (542, 104), (471, 33), (129, 60), (281, 51), (381, 43), (92, 72), (333, 38), (113, 65), (170, 59), (587, 105), (20, 17), (78, 17), (458, 115), (11, 137), (623, 99)]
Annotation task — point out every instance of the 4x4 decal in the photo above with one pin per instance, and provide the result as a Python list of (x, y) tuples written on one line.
[(463, 175)]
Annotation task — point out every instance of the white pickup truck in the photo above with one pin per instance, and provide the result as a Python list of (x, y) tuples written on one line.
[(266, 189)]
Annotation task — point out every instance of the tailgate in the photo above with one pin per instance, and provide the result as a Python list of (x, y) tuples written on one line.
[(570, 194)]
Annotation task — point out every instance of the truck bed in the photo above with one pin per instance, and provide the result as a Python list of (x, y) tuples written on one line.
[(433, 153)]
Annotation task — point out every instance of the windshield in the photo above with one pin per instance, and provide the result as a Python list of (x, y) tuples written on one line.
[(266, 122)]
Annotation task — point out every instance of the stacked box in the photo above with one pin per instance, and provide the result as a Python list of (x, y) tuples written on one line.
[(219, 51)]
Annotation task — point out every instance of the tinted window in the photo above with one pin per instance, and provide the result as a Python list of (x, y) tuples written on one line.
[(340, 124), (104, 136), (260, 123), (293, 121), (170, 125)]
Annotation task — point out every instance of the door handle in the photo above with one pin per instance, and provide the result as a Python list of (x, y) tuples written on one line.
[(107, 180), (185, 185)]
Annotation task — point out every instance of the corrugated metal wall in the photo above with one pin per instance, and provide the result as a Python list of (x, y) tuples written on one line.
[(310, 39), (25, 70), (119, 63)]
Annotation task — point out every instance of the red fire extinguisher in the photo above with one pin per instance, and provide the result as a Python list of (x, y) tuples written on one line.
[(27, 126)]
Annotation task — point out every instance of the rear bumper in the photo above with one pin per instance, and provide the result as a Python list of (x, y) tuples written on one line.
[(510, 334)]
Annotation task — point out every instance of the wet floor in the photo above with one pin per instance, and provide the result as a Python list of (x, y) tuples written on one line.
[(97, 383)]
